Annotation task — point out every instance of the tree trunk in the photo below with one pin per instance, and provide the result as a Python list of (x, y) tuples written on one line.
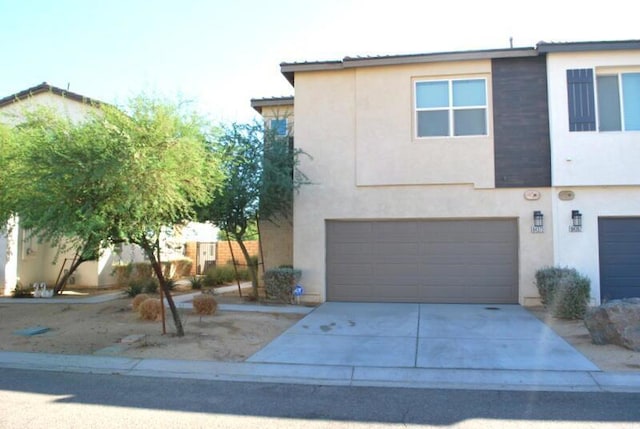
[(157, 268), (63, 280), (253, 269)]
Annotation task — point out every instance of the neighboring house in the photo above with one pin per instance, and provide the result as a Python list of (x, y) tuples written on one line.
[(594, 109), (276, 235), (25, 260), (428, 171)]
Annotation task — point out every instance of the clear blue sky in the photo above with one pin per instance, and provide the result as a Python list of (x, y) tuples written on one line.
[(222, 53)]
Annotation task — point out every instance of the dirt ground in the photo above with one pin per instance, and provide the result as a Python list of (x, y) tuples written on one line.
[(101, 328), (226, 336)]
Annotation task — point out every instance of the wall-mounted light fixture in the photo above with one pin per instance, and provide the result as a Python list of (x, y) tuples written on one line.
[(538, 218), (576, 221), (538, 222)]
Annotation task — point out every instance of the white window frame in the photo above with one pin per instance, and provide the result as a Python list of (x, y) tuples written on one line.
[(450, 109), (286, 126), (623, 128)]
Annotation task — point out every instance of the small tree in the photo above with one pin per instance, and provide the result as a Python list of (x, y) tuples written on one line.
[(118, 176), (261, 176)]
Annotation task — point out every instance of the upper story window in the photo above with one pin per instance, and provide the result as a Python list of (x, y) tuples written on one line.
[(618, 101), (446, 108), (279, 126)]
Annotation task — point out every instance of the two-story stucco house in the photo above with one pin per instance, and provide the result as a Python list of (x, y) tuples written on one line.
[(594, 113), (453, 177)]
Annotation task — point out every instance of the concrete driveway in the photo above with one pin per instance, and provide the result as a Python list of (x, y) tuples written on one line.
[(451, 336)]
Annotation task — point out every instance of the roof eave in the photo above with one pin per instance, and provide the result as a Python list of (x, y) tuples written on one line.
[(289, 69), (618, 45), (43, 88), (259, 103)]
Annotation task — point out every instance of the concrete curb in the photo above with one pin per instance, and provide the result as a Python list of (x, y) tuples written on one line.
[(572, 381)]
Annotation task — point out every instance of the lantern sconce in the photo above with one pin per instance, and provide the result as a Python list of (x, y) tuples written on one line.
[(576, 221), (538, 222)]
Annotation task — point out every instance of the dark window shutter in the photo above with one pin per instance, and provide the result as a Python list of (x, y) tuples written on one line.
[(582, 112)]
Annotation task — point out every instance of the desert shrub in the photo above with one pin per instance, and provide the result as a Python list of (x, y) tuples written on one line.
[(564, 291), (139, 299), (150, 309), (134, 289), (204, 304), (144, 285), (150, 285), (22, 291), (279, 283), (219, 275), (196, 282)]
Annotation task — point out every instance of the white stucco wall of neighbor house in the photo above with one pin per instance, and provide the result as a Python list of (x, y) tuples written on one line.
[(600, 168), (328, 127), (580, 250), (589, 158), (33, 262)]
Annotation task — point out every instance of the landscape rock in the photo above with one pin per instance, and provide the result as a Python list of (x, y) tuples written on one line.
[(616, 322)]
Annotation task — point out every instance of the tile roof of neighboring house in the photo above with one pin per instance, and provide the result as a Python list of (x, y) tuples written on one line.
[(45, 87), (259, 103)]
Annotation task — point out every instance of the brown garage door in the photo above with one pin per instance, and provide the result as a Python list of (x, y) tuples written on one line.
[(452, 261)]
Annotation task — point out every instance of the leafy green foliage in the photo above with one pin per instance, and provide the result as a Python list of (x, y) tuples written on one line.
[(225, 274), (22, 291), (196, 283), (564, 291), (261, 176), (117, 176), (279, 283)]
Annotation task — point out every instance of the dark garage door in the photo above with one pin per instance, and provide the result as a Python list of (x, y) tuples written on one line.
[(453, 261), (619, 240)]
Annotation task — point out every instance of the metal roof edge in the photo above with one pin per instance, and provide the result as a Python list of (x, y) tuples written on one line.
[(612, 45), (259, 103)]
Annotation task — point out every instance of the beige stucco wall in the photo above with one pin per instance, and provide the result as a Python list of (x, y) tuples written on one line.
[(387, 149), (75, 110), (330, 129), (42, 263), (277, 243), (276, 237)]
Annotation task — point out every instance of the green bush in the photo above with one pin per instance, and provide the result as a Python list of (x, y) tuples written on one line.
[(137, 286), (22, 291), (563, 291), (196, 282), (279, 283), (134, 289), (224, 274)]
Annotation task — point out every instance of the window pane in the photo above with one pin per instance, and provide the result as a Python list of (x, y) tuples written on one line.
[(631, 96), (470, 122), (279, 126), (608, 103), (432, 94), (433, 123), (469, 93)]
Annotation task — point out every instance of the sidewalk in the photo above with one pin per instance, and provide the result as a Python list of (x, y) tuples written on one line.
[(336, 375)]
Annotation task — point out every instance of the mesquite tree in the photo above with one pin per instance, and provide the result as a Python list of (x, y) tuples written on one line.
[(117, 176)]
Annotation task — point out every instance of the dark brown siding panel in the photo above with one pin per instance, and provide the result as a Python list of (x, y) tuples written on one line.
[(521, 122)]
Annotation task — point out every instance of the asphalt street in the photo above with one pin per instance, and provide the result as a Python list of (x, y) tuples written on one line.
[(50, 399)]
